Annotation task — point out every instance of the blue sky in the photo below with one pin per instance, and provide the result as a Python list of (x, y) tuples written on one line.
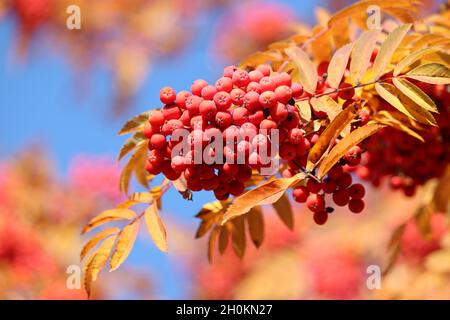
[(40, 103)]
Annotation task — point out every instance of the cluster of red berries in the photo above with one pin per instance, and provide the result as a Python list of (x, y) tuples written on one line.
[(243, 108), (339, 184), (405, 161)]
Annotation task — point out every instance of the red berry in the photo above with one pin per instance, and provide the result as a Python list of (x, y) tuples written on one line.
[(295, 136), (228, 71), (346, 91), (265, 69), (282, 79), (149, 130), (254, 86), (268, 125), (256, 75), (328, 185), (236, 188), (248, 131), (156, 157), (283, 93), (344, 181), (244, 174), (256, 118), (315, 202), (297, 90), (292, 120), (181, 99), (341, 198), (208, 92), (156, 118), (267, 84), (287, 151), (152, 168), (356, 205), (240, 78), (158, 141), (320, 217), (251, 101), (197, 87), (279, 112), (353, 156), (224, 84), (240, 116), (268, 99), (193, 105), (230, 168), (222, 100), (223, 119), (178, 163), (167, 95), (171, 112), (300, 194), (237, 96), (356, 191), (208, 109), (335, 172), (313, 186), (198, 123)]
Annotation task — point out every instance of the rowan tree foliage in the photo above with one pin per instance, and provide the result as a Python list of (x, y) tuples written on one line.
[(345, 100)]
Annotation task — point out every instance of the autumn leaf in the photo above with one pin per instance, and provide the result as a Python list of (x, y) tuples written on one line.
[(97, 262), (107, 216), (404, 104), (346, 143), (134, 160), (96, 240), (156, 227), (238, 237), (330, 134), (135, 124), (413, 57), (395, 123), (141, 174), (266, 193), (307, 70), (204, 227), (136, 198), (415, 93), (387, 49), (361, 53), (433, 73), (256, 226), (223, 239), (304, 109), (284, 211), (181, 185), (338, 64), (326, 104), (134, 142), (212, 243), (125, 243)]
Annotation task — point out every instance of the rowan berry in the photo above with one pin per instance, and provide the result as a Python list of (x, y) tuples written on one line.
[(268, 99), (241, 78), (224, 84), (279, 113), (329, 185), (222, 100), (267, 84), (297, 90), (283, 93), (356, 191), (256, 118), (223, 119), (208, 109), (265, 69), (236, 188), (237, 96), (181, 99), (167, 95), (256, 75), (156, 118), (251, 101), (282, 79), (356, 205), (171, 112), (300, 194), (341, 197), (197, 87), (320, 217), (346, 91), (313, 186), (229, 71), (240, 115), (287, 151), (208, 92), (344, 181), (315, 202), (158, 141)]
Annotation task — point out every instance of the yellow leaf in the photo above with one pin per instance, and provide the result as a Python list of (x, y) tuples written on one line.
[(256, 226), (223, 239), (307, 70), (125, 243), (97, 238), (134, 160), (136, 198), (387, 49), (361, 54), (338, 64), (329, 135), (433, 73), (135, 124), (327, 105), (415, 93), (97, 262), (304, 109), (107, 216), (404, 104), (181, 185), (284, 211), (346, 143), (212, 243), (360, 9), (394, 123), (133, 142), (267, 193), (156, 227), (238, 237), (413, 57)]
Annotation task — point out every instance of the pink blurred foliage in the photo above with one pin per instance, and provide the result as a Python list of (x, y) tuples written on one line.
[(250, 27)]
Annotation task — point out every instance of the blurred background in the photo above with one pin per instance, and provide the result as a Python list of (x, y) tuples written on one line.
[(65, 93)]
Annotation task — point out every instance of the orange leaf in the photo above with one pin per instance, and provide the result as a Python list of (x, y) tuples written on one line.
[(330, 134), (338, 64), (267, 193), (238, 237), (284, 211), (361, 54), (346, 143), (256, 226), (223, 239), (212, 243), (135, 124)]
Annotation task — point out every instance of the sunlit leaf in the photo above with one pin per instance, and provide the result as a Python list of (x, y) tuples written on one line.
[(413, 57), (338, 64), (361, 53), (433, 73), (135, 124), (133, 142), (125, 243), (156, 227), (238, 237), (96, 240), (346, 143), (283, 209), (109, 215), (415, 93), (307, 70), (256, 226)]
